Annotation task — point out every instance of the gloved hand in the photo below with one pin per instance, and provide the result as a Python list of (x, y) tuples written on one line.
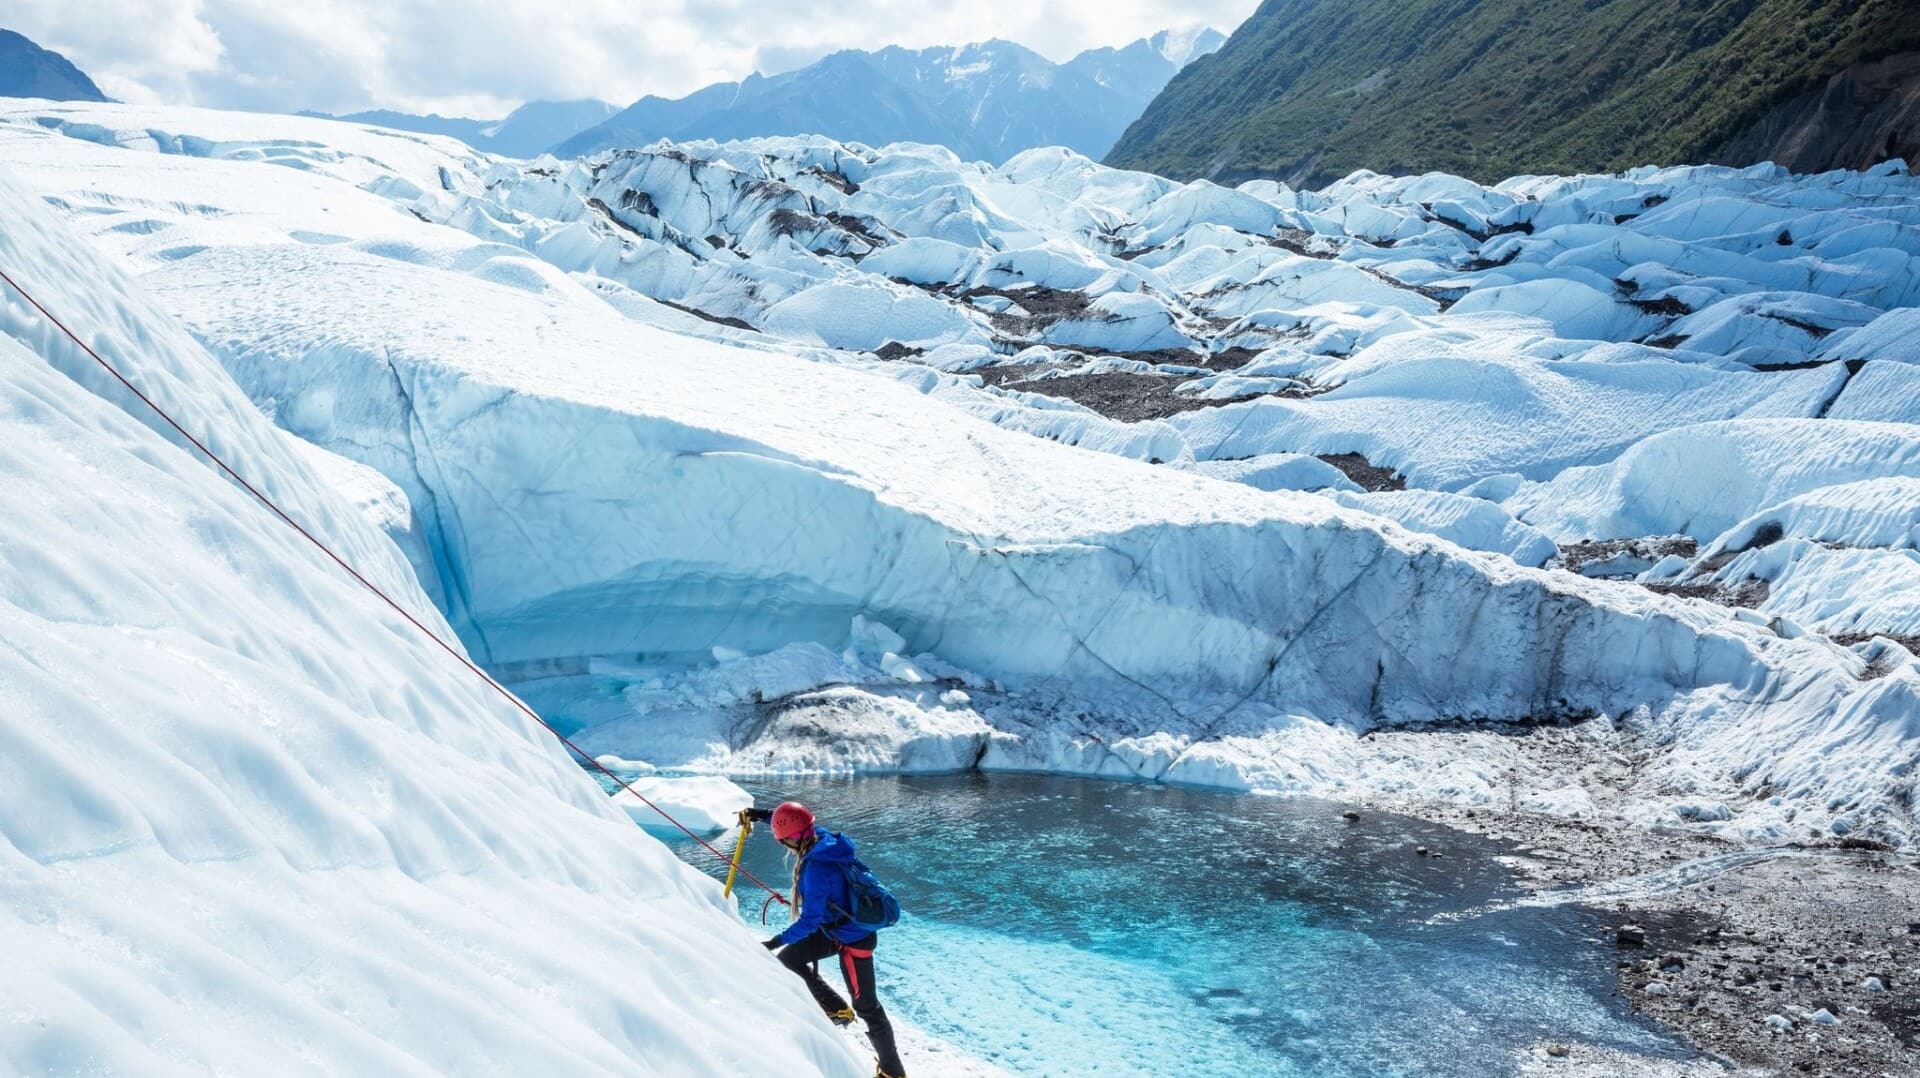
[(760, 815), (772, 944)]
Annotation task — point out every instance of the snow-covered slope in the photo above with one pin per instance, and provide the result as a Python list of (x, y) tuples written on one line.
[(745, 550), (250, 821), (1139, 70), (985, 101)]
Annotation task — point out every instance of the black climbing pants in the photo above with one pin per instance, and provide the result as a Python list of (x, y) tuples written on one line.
[(856, 968)]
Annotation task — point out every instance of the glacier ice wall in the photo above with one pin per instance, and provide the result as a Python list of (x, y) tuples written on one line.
[(605, 499)]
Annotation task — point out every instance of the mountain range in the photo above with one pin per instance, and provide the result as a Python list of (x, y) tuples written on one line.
[(985, 101), (1305, 91), (524, 132)]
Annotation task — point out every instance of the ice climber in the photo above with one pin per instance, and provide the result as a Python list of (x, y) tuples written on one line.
[(826, 879)]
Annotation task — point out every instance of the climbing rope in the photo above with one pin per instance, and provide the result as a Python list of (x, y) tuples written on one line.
[(369, 585)]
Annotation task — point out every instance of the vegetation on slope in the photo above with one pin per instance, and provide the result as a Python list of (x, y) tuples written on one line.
[(1309, 90)]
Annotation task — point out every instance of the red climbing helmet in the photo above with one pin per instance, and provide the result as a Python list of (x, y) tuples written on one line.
[(791, 820)]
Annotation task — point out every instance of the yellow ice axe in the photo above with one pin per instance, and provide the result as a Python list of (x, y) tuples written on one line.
[(739, 846)]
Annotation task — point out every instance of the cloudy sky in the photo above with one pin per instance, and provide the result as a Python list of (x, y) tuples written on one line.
[(475, 58)]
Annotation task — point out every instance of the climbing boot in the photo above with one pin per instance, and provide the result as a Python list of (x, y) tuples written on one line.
[(842, 1017), (881, 1072)]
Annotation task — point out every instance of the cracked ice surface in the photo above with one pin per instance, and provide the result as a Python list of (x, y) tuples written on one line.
[(663, 526)]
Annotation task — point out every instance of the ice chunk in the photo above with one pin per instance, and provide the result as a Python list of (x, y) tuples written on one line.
[(1445, 421), (1883, 390), (704, 804), (1700, 480), (626, 769), (1892, 337), (1768, 327), (1702, 811), (924, 260), (1571, 800), (1667, 568), (1469, 522), (1573, 309), (872, 639), (1121, 322), (1878, 512), (1278, 471), (864, 317)]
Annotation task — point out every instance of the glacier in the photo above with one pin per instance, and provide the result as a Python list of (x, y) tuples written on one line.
[(794, 455), (250, 821)]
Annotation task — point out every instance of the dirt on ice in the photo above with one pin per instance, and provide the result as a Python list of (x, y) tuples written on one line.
[(1791, 960)]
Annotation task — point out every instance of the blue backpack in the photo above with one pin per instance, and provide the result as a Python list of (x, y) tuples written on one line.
[(874, 907)]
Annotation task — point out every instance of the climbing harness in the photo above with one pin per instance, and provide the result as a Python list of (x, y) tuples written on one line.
[(772, 895), (847, 955)]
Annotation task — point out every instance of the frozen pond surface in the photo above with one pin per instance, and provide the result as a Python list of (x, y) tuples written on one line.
[(1060, 925)]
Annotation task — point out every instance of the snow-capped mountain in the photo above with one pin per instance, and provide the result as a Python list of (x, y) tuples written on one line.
[(528, 130), (524, 132), (27, 70), (1139, 70), (984, 101)]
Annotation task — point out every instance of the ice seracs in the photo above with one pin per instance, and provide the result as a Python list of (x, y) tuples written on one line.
[(703, 804), (1704, 478), (738, 395)]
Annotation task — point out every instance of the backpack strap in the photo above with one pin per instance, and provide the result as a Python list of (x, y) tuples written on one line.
[(848, 873)]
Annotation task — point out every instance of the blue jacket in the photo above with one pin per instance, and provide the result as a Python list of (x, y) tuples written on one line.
[(822, 890)]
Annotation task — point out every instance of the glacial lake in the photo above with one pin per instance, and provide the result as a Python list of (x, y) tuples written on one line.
[(1070, 926)]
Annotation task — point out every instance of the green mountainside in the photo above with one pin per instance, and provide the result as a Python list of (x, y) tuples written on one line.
[(1309, 90)]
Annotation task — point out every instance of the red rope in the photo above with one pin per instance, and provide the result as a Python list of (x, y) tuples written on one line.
[(364, 582)]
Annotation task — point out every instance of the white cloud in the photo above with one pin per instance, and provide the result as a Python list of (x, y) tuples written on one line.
[(479, 58), (146, 44)]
